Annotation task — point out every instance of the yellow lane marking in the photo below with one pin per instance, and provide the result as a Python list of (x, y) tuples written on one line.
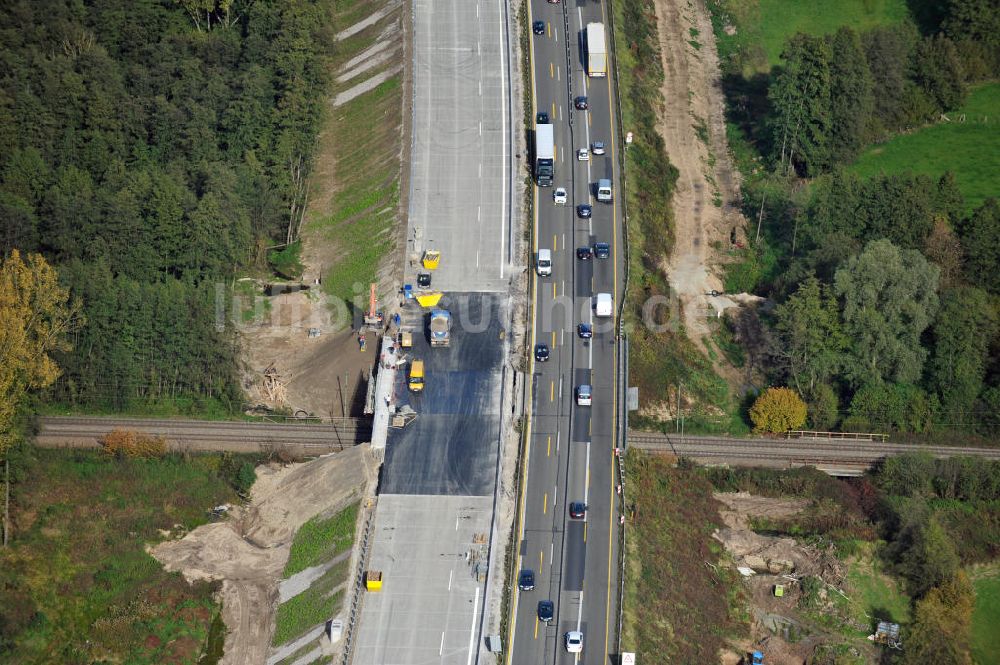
[(545, 504), (555, 243), (536, 628), (584, 532), (552, 70), (553, 290), (553, 118), (548, 449), (528, 412), (552, 391)]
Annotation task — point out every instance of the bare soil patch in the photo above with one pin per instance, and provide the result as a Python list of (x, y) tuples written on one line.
[(324, 376), (706, 201), (785, 628), (248, 551)]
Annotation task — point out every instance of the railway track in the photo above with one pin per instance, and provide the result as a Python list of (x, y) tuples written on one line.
[(825, 454), (85, 431)]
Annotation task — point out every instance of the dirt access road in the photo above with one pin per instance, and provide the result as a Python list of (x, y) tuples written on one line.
[(706, 202)]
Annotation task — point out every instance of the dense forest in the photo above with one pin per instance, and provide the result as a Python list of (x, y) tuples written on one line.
[(887, 287), (150, 149)]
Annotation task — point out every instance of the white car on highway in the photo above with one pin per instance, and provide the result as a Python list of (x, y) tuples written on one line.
[(559, 196), (583, 155), (584, 395), (574, 641)]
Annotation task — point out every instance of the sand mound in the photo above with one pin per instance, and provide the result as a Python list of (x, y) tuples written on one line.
[(248, 552)]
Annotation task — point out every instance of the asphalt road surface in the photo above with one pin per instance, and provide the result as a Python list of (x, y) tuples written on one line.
[(571, 448), (451, 448)]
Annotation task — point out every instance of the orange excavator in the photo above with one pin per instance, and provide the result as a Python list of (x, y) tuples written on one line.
[(373, 317)]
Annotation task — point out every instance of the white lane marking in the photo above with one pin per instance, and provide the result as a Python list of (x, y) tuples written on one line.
[(558, 436), (479, 209), (472, 628), (480, 88), (451, 574), (503, 143), (480, 170), (555, 496), (456, 524), (560, 388), (558, 73), (586, 485), (441, 648), (477, 258), (552, 552), (480, 128), (579, 614)]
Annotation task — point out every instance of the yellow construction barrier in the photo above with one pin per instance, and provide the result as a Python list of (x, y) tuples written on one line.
[(432, 258), (429, 299), (373, 580)]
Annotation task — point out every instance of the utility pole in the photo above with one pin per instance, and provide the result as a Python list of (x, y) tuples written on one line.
[(340, 391)]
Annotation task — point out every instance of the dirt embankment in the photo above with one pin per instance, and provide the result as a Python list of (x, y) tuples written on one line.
[(248, 551), (706, 202)]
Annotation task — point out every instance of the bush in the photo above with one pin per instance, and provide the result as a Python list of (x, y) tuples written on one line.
[(822, 408), (941, 631), (778, 410), (120, 443)]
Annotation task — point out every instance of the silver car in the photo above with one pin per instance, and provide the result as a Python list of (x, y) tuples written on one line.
[(598, 148), (559, 196)]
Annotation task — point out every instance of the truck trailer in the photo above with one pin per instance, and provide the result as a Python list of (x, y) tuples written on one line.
[(597, 50), (545, 155)]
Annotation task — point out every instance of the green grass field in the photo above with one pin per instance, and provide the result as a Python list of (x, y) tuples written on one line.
[(986, 617), (875, 594), (77, 584), (319, 540), (969, 149), (763, 26)]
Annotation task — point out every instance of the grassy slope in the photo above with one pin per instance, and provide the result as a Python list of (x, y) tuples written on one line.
[(311, 607), (986, 617), (971, 150), (319, 540), (676, 608), (78, 584), (362, 137)]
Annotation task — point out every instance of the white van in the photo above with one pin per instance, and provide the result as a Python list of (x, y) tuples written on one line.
[(604, 305), (544, 262), (604, 190)]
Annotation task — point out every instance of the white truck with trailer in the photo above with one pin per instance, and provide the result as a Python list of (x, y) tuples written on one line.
[(597, 50)]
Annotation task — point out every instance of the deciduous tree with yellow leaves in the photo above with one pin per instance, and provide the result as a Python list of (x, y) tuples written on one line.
[(35, 316), (778, 410)]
